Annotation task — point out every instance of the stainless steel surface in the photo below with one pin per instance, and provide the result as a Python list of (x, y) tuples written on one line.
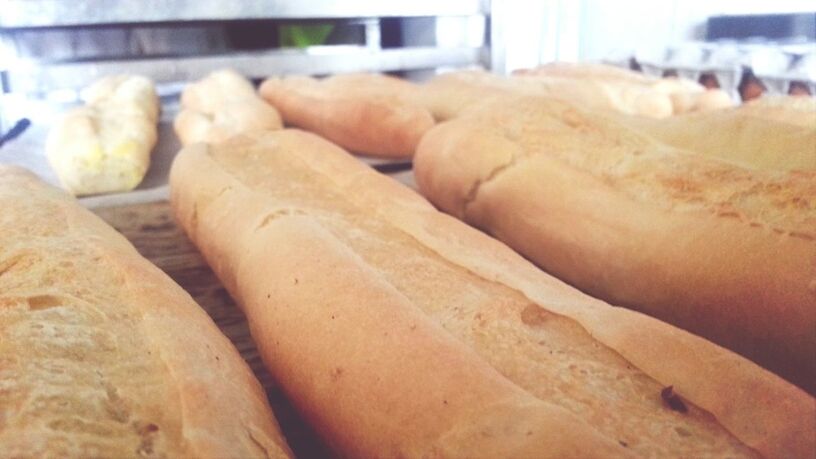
[(315, 61), (45, 13)]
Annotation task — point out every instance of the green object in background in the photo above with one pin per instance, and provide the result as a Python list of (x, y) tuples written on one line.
[(301, 36)]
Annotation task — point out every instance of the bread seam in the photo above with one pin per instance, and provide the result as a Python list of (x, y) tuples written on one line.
[(160, 350), (473, 192)]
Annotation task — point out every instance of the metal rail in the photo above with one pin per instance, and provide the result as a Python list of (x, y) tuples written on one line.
[(62, 13), (312, 61)]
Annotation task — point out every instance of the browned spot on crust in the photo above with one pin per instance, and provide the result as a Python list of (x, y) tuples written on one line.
[(36, 303), (673, 400), (804, 236), (680, 184), (535, 315), (728, 213), (148, 433), (11, 263)]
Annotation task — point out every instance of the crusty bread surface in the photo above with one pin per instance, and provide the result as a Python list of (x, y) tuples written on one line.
[(799, 110), (102, 355), (399, 331), (737, 135), (723, 251)]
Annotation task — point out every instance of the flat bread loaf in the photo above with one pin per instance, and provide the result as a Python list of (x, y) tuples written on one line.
[(726, 252), (102, 355), (399, 331)]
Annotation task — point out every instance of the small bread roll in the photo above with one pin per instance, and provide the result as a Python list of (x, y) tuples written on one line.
[(104, 146), (220, 106)]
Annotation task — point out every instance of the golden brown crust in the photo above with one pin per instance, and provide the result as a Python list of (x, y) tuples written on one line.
[(639, 224), (102, 354), (365, 113), (268, 191), (222, 105)]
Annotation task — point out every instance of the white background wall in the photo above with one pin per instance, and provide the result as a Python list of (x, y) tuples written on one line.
[(571, 30)]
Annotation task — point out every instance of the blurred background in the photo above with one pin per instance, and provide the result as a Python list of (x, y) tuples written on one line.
[(51, 48)]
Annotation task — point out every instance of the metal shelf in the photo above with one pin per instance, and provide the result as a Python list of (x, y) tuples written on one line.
[(62, 13), (312, 61)]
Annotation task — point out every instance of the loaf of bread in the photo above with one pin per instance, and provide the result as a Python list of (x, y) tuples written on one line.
[(742, 135), (450, 94), (587, 70), (104, 146), (725, 252), (102, 355), (368, 114), (398, 331), (686, 95), (222, 105)]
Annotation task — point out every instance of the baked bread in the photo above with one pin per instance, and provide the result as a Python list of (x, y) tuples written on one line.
[(222, 105), (102, 355), (725, 252), (400, 332), (587, 70), (686, 95), (450, 94), (739, 135), (369, 114), (104, 146)]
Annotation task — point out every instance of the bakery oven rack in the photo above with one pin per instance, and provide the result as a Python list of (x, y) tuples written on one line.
[(24, 21)]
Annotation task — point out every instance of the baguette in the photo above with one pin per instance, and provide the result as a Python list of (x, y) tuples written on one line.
[(102, 355), (451, 94), (686, 95), (400, 332), (368, 114), (725, 252), (104, 146), (222, 105)]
